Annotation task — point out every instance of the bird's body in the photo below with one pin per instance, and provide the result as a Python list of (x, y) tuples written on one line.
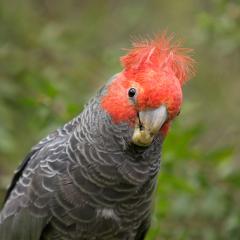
[(85, 181), (91, 194)]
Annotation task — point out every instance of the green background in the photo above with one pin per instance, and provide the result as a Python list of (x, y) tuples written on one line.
[(55, 54)]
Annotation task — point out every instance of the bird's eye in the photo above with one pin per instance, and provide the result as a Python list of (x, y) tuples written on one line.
[(131, 92)]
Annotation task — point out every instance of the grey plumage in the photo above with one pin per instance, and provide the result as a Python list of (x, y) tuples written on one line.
[(85, 181)]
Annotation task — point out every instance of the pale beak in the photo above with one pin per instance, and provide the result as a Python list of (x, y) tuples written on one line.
[(148, 125)]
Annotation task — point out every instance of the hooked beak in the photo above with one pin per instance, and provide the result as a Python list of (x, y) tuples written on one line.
[(148, 125)]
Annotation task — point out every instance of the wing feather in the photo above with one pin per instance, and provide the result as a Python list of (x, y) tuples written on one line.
[(25, 213)]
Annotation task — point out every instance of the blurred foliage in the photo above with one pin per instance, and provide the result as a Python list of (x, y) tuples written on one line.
[(53, 54), (198, 191)]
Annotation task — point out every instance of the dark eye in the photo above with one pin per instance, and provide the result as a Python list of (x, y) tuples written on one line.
[(131, 92)]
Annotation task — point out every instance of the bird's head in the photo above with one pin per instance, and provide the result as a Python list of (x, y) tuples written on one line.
[(147, 94)]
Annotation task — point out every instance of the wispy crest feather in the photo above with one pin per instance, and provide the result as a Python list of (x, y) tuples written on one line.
[(160, 54)]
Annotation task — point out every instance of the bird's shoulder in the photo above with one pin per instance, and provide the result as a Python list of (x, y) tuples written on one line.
[(48, 147)]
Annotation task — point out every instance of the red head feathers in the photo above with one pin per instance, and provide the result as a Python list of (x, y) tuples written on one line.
[(156, 69), (159, 55)]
